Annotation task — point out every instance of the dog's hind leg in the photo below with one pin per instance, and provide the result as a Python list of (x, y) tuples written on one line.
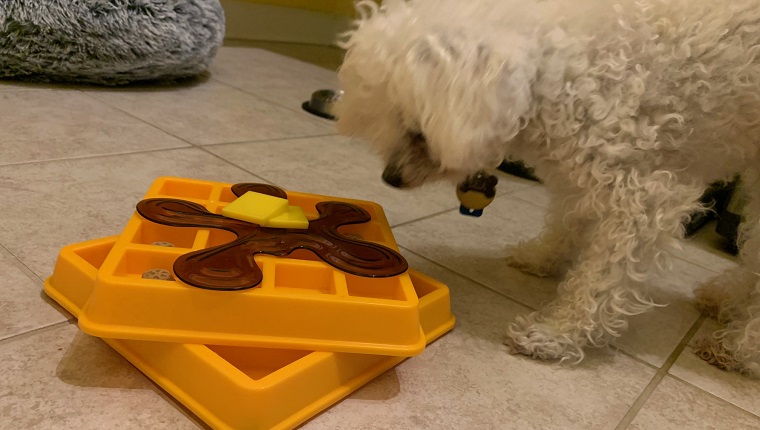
[(630, 235), (737, 346), (735, 296), (724, 297)]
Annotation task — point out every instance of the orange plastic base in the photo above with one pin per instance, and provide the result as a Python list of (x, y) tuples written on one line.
[(302, 303), (243, 388)]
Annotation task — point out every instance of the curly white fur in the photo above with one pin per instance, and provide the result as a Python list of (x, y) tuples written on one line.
[(626, 109)]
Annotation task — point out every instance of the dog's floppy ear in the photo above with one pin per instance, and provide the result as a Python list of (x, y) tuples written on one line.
[(470, 95)]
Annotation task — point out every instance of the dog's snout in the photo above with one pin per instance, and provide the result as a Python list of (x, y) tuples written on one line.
[(393, 178)]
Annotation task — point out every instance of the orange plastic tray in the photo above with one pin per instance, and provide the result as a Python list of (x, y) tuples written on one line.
[(302, 302), (243, 388)]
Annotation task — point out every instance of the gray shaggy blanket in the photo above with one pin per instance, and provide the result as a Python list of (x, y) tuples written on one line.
[(108, 42)]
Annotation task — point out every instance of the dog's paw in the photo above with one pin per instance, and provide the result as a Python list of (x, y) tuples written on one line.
[(709, 302), (725, 297), (706, 303), (713, 351), (540, 269), (540, 341), (533, 260)]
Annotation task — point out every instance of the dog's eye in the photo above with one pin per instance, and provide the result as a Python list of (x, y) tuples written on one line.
[(417, 138), (418, 142)]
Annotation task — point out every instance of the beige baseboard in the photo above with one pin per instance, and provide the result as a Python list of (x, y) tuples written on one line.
[(252, 21)]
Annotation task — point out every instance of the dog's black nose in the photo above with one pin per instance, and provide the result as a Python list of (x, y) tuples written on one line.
[(393, 178)]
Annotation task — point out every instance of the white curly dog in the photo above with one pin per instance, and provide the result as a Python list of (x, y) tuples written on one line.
[(626, 109)]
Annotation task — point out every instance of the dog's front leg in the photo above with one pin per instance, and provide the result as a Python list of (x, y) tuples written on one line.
[(724, 298), (554, 249), (594, 301), (603, 287)]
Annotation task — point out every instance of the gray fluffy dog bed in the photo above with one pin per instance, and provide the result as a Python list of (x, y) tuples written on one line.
[(108, 42)]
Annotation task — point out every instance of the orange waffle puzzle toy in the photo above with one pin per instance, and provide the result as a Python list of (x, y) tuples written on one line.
[(254, 307)]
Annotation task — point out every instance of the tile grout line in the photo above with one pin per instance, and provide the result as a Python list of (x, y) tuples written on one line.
[(714, 396), (524, 200), (445, 211), (260, 97), (149, 151), (276, 139), (639, 360), (661, 373), (478, 283), (37, 280), (87, 94), (94, 156), (423, 218), (638, 404), (294, 110), (34, 332), (22, 266), (236, 165), (700, 265), (156, 127)]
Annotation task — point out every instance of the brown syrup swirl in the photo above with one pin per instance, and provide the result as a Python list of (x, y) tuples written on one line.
[(231, 266)]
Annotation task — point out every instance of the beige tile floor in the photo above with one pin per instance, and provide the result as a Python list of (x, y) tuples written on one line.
[(75, 160)]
